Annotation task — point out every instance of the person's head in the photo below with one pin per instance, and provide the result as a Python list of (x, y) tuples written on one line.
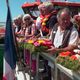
[(18, 20), (76, 19), (15, 20), (49, 7), (19, 17), (64, 17), (42, 9), (45, 8), (27, 19)]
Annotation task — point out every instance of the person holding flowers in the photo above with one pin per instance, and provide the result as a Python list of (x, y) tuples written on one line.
[(64, 35), (28, 27), (26, 32), (45, 23)]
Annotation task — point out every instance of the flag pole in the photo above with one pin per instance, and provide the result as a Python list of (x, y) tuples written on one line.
[(9, 59), (7, 3)]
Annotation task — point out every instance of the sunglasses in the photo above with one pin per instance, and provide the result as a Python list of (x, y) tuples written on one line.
[(26, 19)]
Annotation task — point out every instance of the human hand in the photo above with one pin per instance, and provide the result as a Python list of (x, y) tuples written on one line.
[(52, 50)]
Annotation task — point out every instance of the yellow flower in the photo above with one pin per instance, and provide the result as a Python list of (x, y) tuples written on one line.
[(30, 41), (43, 24), (40, 41), (45, 19)]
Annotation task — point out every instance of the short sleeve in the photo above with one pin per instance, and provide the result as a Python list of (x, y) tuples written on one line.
[(74, 37)]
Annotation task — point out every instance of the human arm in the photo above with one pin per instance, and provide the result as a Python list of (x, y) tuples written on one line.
[(72, 44)]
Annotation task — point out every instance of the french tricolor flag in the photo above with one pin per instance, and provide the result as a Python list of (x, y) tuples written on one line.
[(9, 63)]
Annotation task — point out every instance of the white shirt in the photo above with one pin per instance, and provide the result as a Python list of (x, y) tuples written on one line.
[(59, 37), (38, 23)]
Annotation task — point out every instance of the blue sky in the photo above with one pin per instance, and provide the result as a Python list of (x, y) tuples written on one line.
[(15, 6)]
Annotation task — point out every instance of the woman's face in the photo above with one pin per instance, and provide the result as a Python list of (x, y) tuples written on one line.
[(16, 22), (27, 20), (64, 20), (43, 11)]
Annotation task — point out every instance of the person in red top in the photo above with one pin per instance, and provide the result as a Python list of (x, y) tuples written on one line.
[(47, 18), (41, 8), (45, 23)]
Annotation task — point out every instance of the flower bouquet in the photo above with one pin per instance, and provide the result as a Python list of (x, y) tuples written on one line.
[(39, 45), (68, 60)]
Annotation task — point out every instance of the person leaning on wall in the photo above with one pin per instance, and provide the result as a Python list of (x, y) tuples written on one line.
[(28, 27), (64, 35), (45, 23), (47, 18), (17, 23)]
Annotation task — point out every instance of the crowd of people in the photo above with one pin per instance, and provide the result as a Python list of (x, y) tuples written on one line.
[(57, 25)]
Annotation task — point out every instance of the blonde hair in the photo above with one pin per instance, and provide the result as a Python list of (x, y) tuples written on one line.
[(27, 16)]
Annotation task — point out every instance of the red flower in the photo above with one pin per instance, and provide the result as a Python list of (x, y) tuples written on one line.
[(73, 57), (65, 54), (47, 43)]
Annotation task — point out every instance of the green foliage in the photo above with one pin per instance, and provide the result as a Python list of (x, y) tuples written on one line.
[(33, 49), (40, 48), (21, 45), (30, 47), (69, 63)]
